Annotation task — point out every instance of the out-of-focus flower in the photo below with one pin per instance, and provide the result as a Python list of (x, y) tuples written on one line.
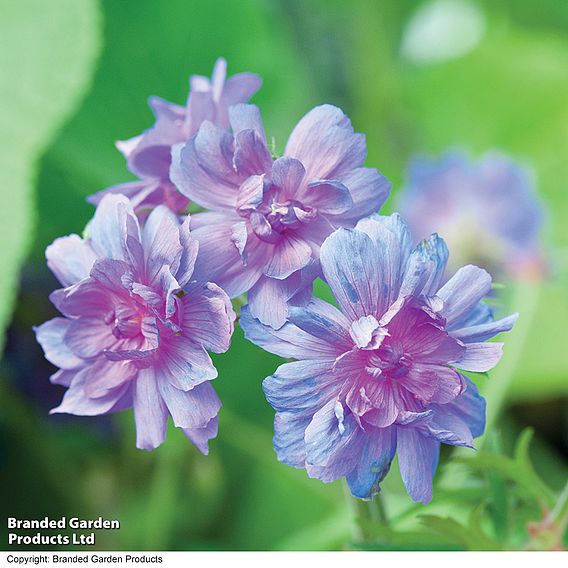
[(380, 374), (136, 327), (149, 155), (269, 217), (488, 212)]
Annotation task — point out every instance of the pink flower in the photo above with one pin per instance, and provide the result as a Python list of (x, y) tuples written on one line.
[(148, 155), (135, 328)]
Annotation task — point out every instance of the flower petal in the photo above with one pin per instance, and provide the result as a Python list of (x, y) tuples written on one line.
[(288, 341), (191, 409), (325, 143), (480, 357), (374, 462), (70, 259), (417, 460), (150, 411), (51, 337), (208, 317), (346, 259), (463, 291), (200, 436)]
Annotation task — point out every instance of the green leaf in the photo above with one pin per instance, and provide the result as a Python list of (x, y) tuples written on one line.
[(47, 60)]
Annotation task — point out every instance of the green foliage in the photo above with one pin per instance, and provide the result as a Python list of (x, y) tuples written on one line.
[(501, 513), (44, 73)]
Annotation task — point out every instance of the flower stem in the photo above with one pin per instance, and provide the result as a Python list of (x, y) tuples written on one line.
[(525, 297), (368, 516)]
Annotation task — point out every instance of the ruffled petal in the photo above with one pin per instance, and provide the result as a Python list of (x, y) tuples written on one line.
[(325, 143), (113, 222), (369, 190), (208, 317), (417, 460), (374, 462), (468, 286), (150, 411), (202, 169), (191, 409), (51, 337), (288, 341), (425, 268), (70, 259), (200, 436), (351, 274), (219, 260)]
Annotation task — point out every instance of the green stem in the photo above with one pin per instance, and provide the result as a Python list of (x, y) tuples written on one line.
[(367, 516), (525, 298)]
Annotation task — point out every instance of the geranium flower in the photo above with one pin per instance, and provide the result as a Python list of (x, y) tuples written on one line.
[(148, 155), (135, 327), (381, 374), (487, 211), (269, 216)]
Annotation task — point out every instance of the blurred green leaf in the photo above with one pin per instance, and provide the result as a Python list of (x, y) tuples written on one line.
[(44, 72)]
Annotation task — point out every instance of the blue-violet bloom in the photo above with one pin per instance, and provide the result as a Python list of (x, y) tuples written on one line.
[(149, 155), (381, 374), (487, 211), (268, 217)]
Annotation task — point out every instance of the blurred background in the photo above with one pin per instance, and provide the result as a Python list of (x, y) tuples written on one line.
[(416, 77)]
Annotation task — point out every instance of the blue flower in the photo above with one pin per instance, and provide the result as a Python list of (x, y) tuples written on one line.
[(381, 374), (487, 211)]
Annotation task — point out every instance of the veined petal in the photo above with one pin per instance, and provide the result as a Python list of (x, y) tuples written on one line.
[(463, 291), (208, 316), (70, 259), (374, 462), (480, 357), (150, 411), (51, 337), (191, 409), (288, 341), (325, 143), (113, 221), (417, 460), (351, 274), (301, 386), (289, 255)]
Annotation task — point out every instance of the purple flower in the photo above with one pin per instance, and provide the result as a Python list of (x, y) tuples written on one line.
[(488, 211), (380, 374), (135, 326), (269, 217), (148, 155)]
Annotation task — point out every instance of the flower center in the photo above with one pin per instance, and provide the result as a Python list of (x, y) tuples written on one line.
[(269, 210), (126, 321), (389, 362)]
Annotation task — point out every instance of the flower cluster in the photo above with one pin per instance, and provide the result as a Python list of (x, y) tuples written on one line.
[(146, 294)]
